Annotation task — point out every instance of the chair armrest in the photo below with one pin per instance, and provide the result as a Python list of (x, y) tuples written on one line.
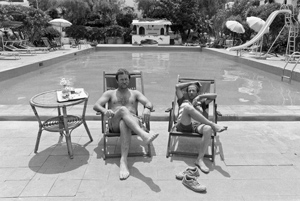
[(169, 109)]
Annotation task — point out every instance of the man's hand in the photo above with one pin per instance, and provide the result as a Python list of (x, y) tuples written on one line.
[(196, 101), (146, 115), (109, 114)]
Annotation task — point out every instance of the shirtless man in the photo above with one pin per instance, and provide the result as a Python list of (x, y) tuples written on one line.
[(191, 119), (123, 103)]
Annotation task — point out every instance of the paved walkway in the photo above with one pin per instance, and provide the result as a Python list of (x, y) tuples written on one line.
[(255, 160)]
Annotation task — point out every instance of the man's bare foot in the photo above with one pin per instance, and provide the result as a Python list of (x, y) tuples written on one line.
[(124, 172), (151, 138), (200, 163), (219, 128)]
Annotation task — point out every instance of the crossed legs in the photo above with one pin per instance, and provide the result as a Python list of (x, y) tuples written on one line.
[(189, 113), (124, 122)]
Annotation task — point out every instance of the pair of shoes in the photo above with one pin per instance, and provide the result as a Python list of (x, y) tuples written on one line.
[(192, 183), (191, 171)]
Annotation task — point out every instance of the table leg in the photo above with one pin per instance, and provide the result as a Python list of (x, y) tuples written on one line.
[(67, 132), (87, 130), (59, 114), (38, 139), (40, 129)]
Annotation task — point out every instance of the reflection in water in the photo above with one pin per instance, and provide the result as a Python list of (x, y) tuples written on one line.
[(151, 62), (251, 87)]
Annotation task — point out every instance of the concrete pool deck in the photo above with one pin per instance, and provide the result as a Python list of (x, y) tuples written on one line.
[(255, 160)]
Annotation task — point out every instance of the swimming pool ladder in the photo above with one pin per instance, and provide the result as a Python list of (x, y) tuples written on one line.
[(295, 55)]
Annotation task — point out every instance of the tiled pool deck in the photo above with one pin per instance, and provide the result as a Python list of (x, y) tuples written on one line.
[(256, 159)]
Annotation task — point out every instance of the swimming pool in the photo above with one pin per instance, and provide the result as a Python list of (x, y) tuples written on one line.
[(237, 84)]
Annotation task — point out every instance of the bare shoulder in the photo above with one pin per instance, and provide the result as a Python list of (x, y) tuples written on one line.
[(135, 92), (109, 92)]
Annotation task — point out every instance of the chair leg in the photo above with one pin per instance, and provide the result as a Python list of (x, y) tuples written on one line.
[(104, 147), (168, 147), (149, 151), (38, 140), (69, 146), (213, 149), (87, 130)]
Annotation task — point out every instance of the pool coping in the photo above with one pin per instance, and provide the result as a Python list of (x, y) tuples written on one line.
[(230, 113)]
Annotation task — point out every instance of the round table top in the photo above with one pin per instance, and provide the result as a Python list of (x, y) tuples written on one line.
[(48, 99)]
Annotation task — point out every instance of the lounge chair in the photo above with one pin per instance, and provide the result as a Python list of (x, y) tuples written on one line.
[(9, 46), (23, 45), (109, 83), (228, 43), (73, 43), (48, 44), (208, 86), (9, 55), (59, 44), (84, 42)]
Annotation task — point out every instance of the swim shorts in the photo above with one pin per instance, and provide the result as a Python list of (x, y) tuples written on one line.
[(188, 128)]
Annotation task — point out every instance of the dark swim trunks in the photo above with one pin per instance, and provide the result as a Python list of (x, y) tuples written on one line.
[(188, 128)]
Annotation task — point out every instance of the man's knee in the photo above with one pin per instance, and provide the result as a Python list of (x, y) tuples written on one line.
[(207, 130), (123, 110), (189, 108)]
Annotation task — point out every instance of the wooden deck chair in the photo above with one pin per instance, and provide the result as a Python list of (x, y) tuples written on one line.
[(208, 86), (109, 83)]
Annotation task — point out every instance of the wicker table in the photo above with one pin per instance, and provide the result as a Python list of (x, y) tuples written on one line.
[(63, 122)]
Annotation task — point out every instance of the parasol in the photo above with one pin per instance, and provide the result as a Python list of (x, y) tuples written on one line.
[(235, 26), (59, 22), (256, 23)]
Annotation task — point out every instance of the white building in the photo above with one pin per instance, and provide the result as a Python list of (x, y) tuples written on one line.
[(157, 30), (289, 2), (14, 2)]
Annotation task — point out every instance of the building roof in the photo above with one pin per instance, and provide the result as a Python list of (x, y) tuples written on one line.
[(151, 22)]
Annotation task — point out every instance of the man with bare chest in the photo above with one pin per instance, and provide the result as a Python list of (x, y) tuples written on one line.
[(122, 115)]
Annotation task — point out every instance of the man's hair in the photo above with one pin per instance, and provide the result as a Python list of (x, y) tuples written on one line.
[(196, 85), (122, 71)]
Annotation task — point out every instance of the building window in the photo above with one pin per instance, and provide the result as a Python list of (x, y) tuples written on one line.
[(162, 31), (141, 31)]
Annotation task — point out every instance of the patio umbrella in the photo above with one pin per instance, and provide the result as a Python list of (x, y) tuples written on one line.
[(235, 26), (256, 23), (59, 22)]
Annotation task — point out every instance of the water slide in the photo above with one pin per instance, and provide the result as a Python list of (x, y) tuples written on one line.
[(261, 32)]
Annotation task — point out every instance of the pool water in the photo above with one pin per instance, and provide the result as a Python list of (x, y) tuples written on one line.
[(237, 84)]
